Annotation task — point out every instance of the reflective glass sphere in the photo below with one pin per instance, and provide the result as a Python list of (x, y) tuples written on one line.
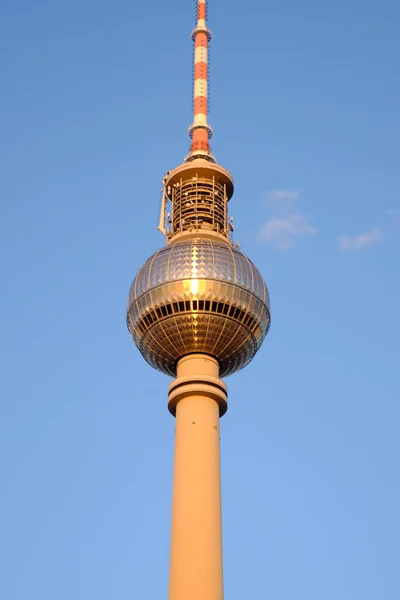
[(198, 296)]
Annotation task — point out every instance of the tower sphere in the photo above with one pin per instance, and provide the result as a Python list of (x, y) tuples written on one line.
[(198, 296)]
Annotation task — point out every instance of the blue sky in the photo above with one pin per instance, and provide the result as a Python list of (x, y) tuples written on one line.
[(95, 105)]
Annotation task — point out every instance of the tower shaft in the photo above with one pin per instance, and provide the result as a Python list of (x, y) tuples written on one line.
[(197, 397)]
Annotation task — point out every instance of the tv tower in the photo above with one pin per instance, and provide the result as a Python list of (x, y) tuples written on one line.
[(198, 310)]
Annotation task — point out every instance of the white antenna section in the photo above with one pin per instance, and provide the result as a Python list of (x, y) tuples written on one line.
[(164, 202)]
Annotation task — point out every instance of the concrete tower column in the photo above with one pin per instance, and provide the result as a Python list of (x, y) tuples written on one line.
[(197, 397)]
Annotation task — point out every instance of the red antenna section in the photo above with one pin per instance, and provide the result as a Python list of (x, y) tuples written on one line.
[(200, 131)]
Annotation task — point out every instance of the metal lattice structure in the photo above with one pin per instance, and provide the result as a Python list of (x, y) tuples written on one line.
[(199, 201)]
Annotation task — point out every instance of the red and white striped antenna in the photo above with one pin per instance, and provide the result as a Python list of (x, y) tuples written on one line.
[(197, 192), (200, 131)]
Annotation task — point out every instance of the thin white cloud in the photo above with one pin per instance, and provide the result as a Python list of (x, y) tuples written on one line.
[(283, 231), (281, 199), (360, 241), (286, 224), (395, 215)]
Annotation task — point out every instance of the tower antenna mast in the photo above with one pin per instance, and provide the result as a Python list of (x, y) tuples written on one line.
[(200, 131)]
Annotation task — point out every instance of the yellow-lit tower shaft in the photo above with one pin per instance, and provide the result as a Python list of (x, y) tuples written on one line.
[(196, 535)]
